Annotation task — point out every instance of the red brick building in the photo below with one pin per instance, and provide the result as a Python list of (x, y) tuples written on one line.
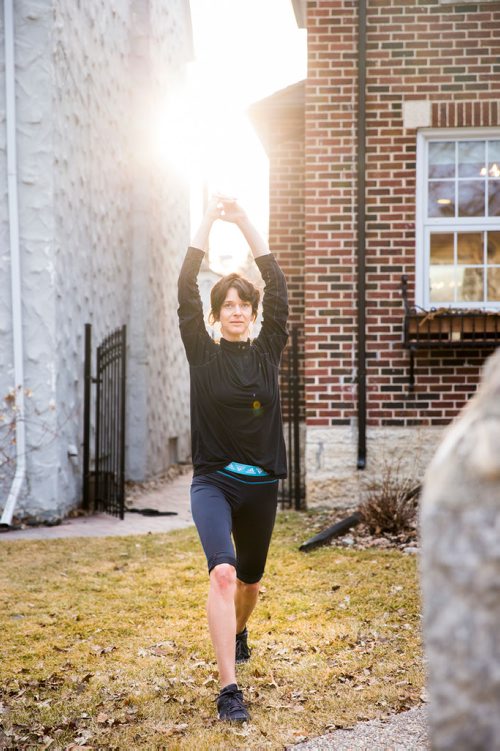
[(385, 163)]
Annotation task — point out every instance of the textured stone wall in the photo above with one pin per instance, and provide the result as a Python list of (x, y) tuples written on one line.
[(158, 396), (6, 353), (331, 455), (94, 247), (168, 416), (460, 569), (34, 85), (92, 202)]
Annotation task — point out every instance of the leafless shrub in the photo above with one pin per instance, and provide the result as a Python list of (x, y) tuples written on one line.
[(389, 503)]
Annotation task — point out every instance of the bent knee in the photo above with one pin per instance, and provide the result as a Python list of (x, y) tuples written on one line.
[(252, 587), (223, 576)]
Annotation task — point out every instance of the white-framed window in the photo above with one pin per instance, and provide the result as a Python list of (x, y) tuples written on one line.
[(458, 218)]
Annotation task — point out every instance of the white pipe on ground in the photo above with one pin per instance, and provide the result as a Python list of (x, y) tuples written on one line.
[(15, 263)]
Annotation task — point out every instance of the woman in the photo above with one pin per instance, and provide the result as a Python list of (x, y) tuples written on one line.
[(238, 449)]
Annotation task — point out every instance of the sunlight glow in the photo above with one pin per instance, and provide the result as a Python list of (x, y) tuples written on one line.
[(245, 50)]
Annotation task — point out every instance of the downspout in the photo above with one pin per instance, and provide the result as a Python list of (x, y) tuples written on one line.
[(361, 190), (15, 265)]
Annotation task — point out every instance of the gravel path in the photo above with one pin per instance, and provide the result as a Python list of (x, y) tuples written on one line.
[(406, 731)]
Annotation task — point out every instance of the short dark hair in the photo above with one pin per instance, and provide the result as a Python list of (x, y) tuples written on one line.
[(245, 289)]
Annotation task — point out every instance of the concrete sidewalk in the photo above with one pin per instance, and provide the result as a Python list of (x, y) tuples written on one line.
[(406, 731), (172, 496)]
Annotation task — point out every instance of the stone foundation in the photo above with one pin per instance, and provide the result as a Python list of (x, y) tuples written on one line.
[(332, 477)]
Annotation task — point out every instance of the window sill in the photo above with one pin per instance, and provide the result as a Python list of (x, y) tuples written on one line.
[(448, 328)]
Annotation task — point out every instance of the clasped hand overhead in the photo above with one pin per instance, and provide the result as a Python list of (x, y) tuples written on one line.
[(226, 208)]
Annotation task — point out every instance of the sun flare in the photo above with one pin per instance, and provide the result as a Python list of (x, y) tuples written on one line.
[(201, 130)]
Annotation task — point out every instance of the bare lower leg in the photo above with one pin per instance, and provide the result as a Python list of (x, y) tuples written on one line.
[(222, 620), (245, 601)]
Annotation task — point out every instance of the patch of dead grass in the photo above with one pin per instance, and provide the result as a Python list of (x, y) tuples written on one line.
[(105, 643)]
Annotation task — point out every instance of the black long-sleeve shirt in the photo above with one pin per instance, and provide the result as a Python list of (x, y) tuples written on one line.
[(235, 401)]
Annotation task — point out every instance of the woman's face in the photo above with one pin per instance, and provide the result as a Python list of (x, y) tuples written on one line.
[(235, 317)]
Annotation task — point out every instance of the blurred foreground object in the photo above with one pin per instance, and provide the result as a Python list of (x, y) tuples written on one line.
[(460, 529)]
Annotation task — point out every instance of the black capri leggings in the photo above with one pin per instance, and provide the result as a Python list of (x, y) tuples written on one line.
[(223, 503)]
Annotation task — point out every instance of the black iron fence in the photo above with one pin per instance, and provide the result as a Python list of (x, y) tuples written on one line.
[(104, 489), (292, 489)]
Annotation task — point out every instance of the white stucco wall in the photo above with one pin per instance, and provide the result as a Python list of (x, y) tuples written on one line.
[(161, 235), (94, 247), (6, 354), (33, 48)]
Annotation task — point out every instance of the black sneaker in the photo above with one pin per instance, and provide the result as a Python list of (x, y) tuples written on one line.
[(230, 705), (243, 651)]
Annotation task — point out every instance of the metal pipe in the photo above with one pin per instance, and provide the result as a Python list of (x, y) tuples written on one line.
[(290, 422), (15, 264), (361, 188), (336, 530), (296, 422)]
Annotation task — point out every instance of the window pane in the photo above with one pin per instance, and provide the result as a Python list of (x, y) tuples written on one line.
[(470, 284), (442, 247), (441, 199), (471, 158), (494, 285), (471, 198), (493, 245), (494, 158), (441, 159), (494, 197), (442, 283), (470, 247)]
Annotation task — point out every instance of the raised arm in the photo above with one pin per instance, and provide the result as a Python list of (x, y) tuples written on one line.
[(274, 334), (212, 212), (195, 337), (231, 211)]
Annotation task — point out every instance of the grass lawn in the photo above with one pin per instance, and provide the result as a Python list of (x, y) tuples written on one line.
[(105, 643)]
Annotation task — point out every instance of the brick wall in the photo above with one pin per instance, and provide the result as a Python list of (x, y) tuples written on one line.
[(450, 55), (286, 229), (286, 221)]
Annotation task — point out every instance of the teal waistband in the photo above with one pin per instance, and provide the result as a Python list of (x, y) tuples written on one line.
[(246, 469)]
